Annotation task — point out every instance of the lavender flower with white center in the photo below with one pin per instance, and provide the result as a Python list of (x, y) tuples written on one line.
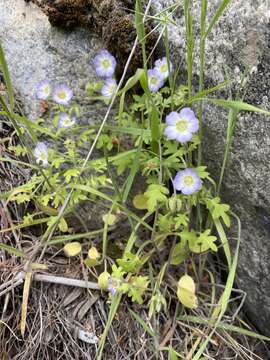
[(187, 181), (105, 64), (181, 125), (62, 94), (154, 80), (66, 121), (41, 153), (113, 285), (43, 90), (109, 88), (162, 68)]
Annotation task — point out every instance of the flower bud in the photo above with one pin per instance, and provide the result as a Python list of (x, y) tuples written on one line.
[(174, 204)]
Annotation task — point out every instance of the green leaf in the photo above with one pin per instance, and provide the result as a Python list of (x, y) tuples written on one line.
[(130, 262), (155, 194), (179, 253), (200, 170), (132, 81), (137, 288), (21, 198), (203, 243), (140, 202), (181, 220), (165, 222), (218, 210), (68, 174), (91, 262)]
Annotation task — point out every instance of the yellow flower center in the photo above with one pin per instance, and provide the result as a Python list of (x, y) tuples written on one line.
[(67, 121), (46, 89), (43, 157), (111, 89), (153, 80), (188, 180), (182, 125), (62, 94), (106, 63), (164, 68)]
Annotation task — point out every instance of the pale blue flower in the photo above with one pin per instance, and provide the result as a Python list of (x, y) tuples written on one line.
[(113, 285), (41, 153), (43, 90), (181, 126), (105, 64), (154, 80), (66, 121), (109, 88), (187, 181), (62, 94), (161, 65)]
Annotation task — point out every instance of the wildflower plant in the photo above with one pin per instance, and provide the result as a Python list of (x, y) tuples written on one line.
[(179, 204)]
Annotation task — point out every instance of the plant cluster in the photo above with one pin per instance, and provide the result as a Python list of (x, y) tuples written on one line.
[(175, 185), (179, 204)]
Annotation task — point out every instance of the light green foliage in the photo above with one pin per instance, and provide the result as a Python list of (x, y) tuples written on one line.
[(157, 303), (219, 210), (203, 242), (181, 225), (130, 263), (180, 253), (156, 195), (137, 288)]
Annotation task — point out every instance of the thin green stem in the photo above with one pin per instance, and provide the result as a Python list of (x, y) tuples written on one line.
[(201, 76), (189, 39)]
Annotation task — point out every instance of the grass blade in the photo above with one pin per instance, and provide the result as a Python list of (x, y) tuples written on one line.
[(224, 241), (235, 105), (190, 43), (223, 302), (216, 17), (224, 326), (114, 306), (12, 250), (143, 324), (4, 68)]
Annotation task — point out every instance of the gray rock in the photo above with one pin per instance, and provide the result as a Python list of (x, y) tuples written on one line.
[(239, 41), (35, 51)]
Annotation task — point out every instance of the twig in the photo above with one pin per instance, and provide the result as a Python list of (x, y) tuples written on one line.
[(61, 280)]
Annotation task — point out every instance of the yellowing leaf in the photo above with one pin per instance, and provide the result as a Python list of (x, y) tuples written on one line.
[(63, 226), (93, 253), (110, 219), (15, 192), (93, 257), (103, 280), (140, 202), (72, 249), (46, 209), (26, 290), (186, 292)]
